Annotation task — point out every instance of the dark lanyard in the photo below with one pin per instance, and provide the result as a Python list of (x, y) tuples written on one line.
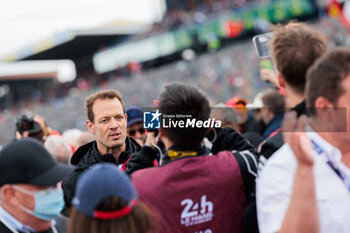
[(328, 160)]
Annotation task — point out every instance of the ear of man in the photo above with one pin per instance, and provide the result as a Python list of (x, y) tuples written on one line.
[(8, 195), (90, 127), (324, 109), (281, 82)]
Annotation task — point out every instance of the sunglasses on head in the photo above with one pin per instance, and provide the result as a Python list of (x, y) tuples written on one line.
[(133, 131)]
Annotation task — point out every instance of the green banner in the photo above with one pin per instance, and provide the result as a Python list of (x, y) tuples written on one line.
[(276, 11), (229, 25)]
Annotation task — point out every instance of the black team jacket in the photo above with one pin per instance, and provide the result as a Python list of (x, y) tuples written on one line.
[(88, 155)]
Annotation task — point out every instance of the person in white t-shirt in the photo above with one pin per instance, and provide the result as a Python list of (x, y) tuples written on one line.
[(305, 186)]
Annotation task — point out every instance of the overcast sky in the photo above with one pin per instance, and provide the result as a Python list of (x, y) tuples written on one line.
[(24, 22)]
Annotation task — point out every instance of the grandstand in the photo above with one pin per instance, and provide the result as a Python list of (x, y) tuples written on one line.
[(223, 62)]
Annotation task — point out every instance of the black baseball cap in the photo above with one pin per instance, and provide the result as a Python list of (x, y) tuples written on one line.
[(26, 161)]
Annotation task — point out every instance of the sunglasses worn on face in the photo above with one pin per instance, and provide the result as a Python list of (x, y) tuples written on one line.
[(133, 131)]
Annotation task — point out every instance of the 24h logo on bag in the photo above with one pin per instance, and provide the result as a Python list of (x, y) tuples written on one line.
[(193, 213)]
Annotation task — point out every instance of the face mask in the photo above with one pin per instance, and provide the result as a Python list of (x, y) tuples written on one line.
[(48, 202)]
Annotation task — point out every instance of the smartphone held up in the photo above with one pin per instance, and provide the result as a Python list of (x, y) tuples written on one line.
[(261, 44)]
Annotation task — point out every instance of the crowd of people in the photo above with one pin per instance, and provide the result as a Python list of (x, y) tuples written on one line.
[(276, 164), (231, 71), (188, 12)]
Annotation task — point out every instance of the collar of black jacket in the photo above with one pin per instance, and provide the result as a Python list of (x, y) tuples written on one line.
[(90, 149), (300, 109), (131, 147), (179, 152)]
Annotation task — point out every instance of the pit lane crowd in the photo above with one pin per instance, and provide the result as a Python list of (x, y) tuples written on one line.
[(278, 164)]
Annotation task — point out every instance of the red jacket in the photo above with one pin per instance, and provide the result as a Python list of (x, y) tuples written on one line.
[(200, 194)]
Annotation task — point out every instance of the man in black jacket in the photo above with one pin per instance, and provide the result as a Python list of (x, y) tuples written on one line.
[(220, 182), (107, 121)]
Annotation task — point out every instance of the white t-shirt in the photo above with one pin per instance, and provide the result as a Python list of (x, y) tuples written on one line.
[(275, 186)]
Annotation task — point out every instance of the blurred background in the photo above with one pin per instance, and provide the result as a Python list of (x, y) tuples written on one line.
[(55, 53)]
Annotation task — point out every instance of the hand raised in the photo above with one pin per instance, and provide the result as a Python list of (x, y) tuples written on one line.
[(294, 134)]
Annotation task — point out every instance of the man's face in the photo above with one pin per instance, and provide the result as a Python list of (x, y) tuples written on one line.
[(137, 132), (27, 200), (266, 115), (242, 116), (109, 126)]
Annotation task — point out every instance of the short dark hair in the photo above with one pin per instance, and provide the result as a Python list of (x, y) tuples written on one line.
[(325, 76), (105, 94), (140, 220), (294, 48), (183, 99), (274, 100)]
